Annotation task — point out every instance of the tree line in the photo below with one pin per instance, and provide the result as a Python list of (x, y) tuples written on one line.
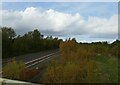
[(33, 41)]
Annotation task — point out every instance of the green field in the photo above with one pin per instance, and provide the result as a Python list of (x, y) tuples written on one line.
[(108, 69)]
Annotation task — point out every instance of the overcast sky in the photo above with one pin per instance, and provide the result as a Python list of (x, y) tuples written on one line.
[(87, 22)]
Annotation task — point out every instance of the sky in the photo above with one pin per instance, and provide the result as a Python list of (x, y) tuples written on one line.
[(85, 21)]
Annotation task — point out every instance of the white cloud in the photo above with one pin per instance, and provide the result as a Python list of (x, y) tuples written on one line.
[(51, 22), (103, 27)]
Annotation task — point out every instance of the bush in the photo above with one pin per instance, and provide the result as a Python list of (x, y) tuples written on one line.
[(76, 65), (13, 69)]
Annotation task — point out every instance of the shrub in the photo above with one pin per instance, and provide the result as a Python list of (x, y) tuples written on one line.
[(76, 65), (13, 69)]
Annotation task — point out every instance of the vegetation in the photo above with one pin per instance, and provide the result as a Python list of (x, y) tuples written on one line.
[(84, 63), (18, 71), (95, 62), (33, 41), (13, 69)]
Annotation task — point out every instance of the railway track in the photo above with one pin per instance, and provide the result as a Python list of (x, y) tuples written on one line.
[(36, 61)]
